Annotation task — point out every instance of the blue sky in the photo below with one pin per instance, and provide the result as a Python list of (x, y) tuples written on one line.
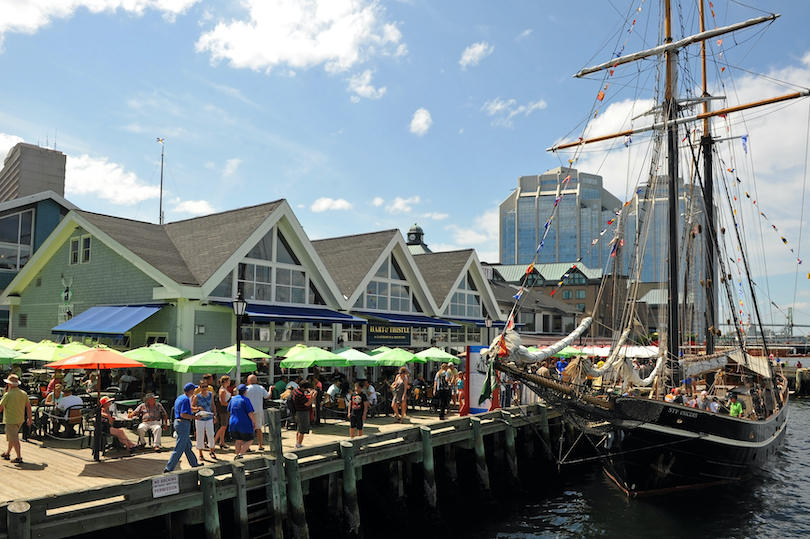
[(364, 115)]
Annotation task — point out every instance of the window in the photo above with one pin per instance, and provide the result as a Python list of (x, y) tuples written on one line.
[(441, 335), (568, 294), (576, 278), (291, 286), (80, 250), (254, 282), (15, 240), (580, 294), (388, 290), (320, 332), (580, 306), (22, 320), (457, 335), (289, 331), (466, 304), (256, 331), (419, 334), (400, 298), (353, 332), (152, 338), (377, 295)]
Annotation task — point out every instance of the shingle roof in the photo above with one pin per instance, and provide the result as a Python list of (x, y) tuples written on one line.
[(513, 273), (190, 251), (349, 258), (441, 270), (505, 293), (420, 249)]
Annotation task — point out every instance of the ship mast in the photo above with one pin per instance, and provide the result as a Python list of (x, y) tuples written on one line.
[(670, 108)]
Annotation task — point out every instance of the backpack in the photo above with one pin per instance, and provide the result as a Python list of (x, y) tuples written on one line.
[(443, 384)]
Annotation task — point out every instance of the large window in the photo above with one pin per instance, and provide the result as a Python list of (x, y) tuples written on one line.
[(466, 301), (15, 240), (568, 294), (256, 331), (388, 290), (320, 332), (353, 332), (289, 332), (580, 294)]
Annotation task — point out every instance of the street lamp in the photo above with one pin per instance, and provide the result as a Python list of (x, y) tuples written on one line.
[(239, 308), (488, 324)]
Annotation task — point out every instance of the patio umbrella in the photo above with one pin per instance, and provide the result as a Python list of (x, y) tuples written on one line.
[(291, 351), (96, 358), (47, 351), (246, 351), (568, 351), (439, 355), (8, 343), (22, 343), (356, 358), (153, 359), (379, 350), (170, 351), (314, 356), (397, 358), (212, 361), (7, 355)]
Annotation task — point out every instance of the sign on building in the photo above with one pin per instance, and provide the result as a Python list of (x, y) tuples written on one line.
[(379, 334)]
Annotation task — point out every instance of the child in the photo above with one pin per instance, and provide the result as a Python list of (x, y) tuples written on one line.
[(358, 409)]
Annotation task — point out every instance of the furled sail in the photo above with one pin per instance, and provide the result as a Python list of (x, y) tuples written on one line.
[(519, 353)]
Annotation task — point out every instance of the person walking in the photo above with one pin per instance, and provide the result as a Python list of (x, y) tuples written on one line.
[(182, 426), (303, 396), (441, 388), (16, 410), (221, 402), (202, 404), (400, 387), (257, 394), (242, 421)]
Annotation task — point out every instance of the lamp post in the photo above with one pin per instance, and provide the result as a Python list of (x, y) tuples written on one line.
[(239, 308), (488, 324)]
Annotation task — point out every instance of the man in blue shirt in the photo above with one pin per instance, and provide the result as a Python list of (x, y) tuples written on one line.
[(182, 426)]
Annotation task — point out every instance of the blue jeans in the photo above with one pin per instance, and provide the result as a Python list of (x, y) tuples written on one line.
[(183, 429)]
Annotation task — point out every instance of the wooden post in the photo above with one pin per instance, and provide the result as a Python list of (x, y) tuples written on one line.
[(450, 462), (395, 481), (480, 455), (429, 469), (351, 509), (273, 497), (334, 497), (279, 477), (210, 506), (19, 520), (240, 512), (295, 496), (511, 452)]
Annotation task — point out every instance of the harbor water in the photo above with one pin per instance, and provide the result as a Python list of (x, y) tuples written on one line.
[(583, 503)]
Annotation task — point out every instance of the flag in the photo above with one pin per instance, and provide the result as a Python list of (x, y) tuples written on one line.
[(530, 268), (160, 140), (745, 143), (486, 391)]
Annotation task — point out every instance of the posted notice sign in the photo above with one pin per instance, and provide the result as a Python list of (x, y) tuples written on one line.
[(165, 486)]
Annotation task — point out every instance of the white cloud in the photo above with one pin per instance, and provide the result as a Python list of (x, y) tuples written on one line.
[(506, 110), (475, 53), (482, 236), (230, 166), (524, 34), (7, 142), (85, 175), (194, 207), (421, 122), (360, 84), (378, 201), (324, 204), (30, 15), (298, 34), (402, 205), (436, 216)]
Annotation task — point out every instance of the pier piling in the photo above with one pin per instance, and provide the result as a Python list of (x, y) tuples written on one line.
[(210, 506), (18, 521), (482, 471), (240, 512), (511, 452), (351, 508), (429, 469), (295, 497)]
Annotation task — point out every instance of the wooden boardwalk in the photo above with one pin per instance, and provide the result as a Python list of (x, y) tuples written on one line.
[(47, 471)]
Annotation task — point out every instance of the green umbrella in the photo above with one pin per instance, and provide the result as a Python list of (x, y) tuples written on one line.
[(380, 350), (437, 354), (397, 358), (568, 351), (7, 355), (291, 350), (47, 351), (356, 358), (246, 351), (8, 343), (170, 351), (314, 356), (151, 358), (22, 344), (213, 361)]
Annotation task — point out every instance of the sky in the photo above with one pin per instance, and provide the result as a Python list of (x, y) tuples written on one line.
[(368, 115)]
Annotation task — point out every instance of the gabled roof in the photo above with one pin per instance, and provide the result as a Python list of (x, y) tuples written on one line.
[(441, 271), (531, 299), (37, 197), (513, 273), (350, 258), (188, 251)]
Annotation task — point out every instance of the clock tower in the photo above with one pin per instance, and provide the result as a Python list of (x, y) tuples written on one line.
[(416, 240)]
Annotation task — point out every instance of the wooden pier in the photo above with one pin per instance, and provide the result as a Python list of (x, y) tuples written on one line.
[(265, 494)]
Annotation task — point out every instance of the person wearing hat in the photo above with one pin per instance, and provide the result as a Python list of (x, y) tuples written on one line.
[(153, 417), (182, 426), (107, 421), (16, 410), (242, 421), (703, 400)]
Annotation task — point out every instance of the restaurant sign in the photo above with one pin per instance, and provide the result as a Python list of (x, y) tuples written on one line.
[(380, 334)]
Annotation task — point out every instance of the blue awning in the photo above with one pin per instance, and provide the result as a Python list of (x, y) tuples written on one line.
[(286, 313), (402, 319), (107, 321)]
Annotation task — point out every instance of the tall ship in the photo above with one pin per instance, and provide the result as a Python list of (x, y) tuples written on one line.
[(683, 397)]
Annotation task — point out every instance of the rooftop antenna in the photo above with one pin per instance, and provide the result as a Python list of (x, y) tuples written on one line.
[(56, 132), (162, 147)]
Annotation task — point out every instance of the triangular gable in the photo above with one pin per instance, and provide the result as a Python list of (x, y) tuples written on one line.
[(354, 260), (284, 218)]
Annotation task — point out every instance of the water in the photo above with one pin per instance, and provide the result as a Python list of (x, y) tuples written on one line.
[(587, 505)]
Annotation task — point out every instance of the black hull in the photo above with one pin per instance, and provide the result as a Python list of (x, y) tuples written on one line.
[(683, 448)]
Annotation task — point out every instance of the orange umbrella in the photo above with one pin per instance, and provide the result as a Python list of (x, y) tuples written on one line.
[(96, 358)]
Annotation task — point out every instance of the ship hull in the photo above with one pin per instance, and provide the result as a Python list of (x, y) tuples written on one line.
[(656, 447)]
